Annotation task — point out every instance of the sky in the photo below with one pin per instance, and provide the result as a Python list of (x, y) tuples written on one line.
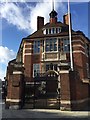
[(18, 19)]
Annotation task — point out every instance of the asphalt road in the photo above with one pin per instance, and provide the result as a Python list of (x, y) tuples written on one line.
[(10, 114)]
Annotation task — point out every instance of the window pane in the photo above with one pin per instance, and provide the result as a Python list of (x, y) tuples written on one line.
[(55, 47), (46, 31), (53, 30), (66, 45), (36, 46), (43, 46), (55, 67), (55, 44), (58, 30), (49, 31), (51, 45), (51, 66), (36, 70), (47, 67), (47, 45)]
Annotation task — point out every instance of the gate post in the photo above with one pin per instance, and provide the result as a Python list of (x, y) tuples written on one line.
[(65, 97), (15, 87)]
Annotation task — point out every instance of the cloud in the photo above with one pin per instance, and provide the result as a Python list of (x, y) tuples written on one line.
[(41, 9), (14, 15), (2, 74), (41, 0), (24, 15), (6, 55)]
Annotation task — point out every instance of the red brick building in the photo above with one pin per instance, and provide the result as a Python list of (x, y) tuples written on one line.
[(41, 77)]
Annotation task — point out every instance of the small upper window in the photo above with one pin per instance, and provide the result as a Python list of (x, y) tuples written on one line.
[(58, 30), (52, 30), (46, 31)]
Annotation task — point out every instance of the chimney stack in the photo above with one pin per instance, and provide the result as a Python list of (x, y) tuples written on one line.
[(40, 22), (66, 19)]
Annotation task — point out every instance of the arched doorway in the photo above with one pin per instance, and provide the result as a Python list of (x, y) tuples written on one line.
[(45, 91)]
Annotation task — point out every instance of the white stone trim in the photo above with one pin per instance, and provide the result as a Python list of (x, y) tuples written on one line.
[(65, 102), (64, 71), (78, 46), (79, 51), (78, 41), (86, 80), (51, 52), (50, 59), (81, 101), (27, 54), (74, 101), (27, 43), (27, 49), (28, 83), (13, 100), (17, 72)]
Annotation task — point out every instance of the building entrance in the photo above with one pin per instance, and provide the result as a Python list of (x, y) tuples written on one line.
[(43, 92)]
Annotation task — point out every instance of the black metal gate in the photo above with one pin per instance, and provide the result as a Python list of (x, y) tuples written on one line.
[(42, 93)]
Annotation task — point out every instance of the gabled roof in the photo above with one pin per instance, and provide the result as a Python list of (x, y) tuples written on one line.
[(64, 32), (58, 24), (39, 33)]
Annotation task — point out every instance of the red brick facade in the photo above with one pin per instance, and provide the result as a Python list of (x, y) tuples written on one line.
[(74, 85)]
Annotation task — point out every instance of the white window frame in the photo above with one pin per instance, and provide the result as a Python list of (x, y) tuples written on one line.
[(37, 68), (47, 43), (36, 46)]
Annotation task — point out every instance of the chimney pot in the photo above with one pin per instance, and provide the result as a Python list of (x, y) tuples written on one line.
[(40, 22), (66, 19)]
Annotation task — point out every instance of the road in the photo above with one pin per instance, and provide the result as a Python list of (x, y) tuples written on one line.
[(43, 113)]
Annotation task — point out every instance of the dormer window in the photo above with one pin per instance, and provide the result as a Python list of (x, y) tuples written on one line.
[(52, 30)]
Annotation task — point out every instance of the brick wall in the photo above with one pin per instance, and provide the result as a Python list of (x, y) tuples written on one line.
[(27, 60)]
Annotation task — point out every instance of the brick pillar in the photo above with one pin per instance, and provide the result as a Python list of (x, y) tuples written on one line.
[(65, 90), (15, 95)]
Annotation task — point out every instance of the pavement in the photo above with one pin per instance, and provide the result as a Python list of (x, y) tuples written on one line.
[(30, 114)]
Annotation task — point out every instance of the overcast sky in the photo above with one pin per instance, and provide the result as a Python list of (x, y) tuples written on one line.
[(19, 19)]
